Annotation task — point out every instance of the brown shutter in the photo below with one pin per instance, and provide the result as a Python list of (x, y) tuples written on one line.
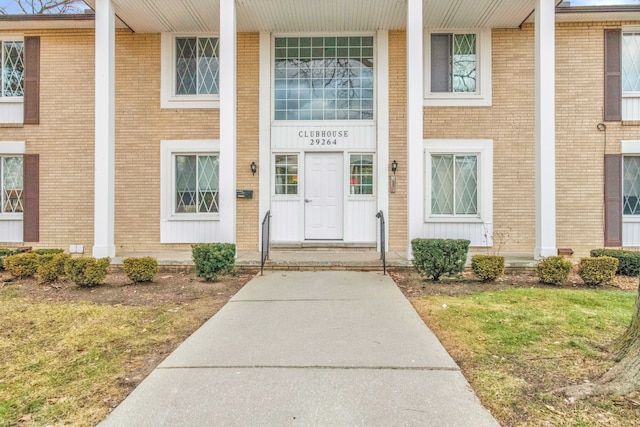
[(31, 195), (612, 200), (612, 76), (31, 80)]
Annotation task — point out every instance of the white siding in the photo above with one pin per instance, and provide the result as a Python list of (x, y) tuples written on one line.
[(189, 231), (11, 113), (475, 232), (11, 231), (298, 137), (630, 108), (360, 221), (286, 221)]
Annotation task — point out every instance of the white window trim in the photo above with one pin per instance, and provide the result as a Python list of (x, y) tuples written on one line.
[(483, 148), (272, 173), (629, 148), (168, 149), (10, 99), (168, 97), (7, 149), (483, 95), (347, 178)]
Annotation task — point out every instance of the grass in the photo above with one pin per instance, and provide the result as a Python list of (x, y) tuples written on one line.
[(517, 345), (65, 363)]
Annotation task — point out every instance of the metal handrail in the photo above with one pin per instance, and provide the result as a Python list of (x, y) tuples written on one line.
[(266, 240), (383, 244)]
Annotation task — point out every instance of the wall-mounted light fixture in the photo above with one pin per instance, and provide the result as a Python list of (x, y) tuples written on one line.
[(254, 168), (394, 167)]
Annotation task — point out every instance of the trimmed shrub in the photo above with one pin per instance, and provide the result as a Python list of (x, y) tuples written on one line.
[(140, 269), (435, 257), (48, 251), (487, 267), (597, 271), (4, 252), (628, 261), (22, 265), (213, 260), (554, 270), (87, 272), (52, 266)]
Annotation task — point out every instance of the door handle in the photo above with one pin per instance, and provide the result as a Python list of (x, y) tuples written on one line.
[(307, 201)]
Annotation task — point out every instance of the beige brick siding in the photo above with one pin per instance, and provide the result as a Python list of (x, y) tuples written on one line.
[(65, 138)]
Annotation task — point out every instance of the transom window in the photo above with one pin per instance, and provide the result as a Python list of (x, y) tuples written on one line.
[(197, 66), (12, 68), (196, 183), (324, 78), (453, 63), (361, 179), (454, 184), (11, 184), (631, 185), (286, 174)]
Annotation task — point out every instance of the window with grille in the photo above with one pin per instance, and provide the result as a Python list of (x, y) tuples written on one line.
[(12, 68), (324, 78), (196, 183), (286, 175), (11, 184), (197, 66), (454, 184), (631, 185), (361, 175)]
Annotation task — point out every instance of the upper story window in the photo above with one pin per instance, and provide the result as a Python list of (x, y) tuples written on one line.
[(12, 68), (458, 68), (324, 78), (190, 71)]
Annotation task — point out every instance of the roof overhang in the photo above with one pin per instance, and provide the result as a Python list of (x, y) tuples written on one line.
[(50, 22), (597, 13)]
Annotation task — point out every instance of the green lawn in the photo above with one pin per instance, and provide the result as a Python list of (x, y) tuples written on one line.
[(517, 345)]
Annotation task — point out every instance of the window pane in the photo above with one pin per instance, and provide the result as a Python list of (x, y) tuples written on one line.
[(466, 178), (442, 185), (631, 185), (186, 66), (12, 68), (323, 78), (361, 180), (208, 167), (12, 186), (286, 176), (186, 175), (631, 62), (208, 66), (440, 62), (464, 63)]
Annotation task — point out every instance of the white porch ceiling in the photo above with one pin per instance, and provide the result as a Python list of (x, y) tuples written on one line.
[(154, 16)]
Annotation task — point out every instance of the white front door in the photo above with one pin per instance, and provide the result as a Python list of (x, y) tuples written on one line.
[(323, 196)]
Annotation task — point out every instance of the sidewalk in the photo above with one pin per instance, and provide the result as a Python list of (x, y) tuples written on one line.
[(310, 349)]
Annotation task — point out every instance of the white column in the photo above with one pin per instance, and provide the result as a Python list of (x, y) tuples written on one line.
[(545, 122), (104, 179), (415, 96), (227, 192), (264, 164), (382, 71)]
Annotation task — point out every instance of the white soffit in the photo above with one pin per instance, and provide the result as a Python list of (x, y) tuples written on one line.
[(154, 16)]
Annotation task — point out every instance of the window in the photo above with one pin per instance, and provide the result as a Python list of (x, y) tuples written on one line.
[(324, 78), (286, 174), (454, 184), (361, 180), (631, 185), (12, 68), (458, 68), (196, 183), (458, 177), (190, 71), (11, 184)]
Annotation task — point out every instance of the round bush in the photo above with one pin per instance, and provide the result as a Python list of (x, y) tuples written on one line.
[(22, 265), (87, 272), (52, 266), (554, 270), (487, 267), (598, 270), (140, 269)]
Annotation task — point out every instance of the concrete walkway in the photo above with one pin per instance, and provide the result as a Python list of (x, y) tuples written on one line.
[(308, 349)]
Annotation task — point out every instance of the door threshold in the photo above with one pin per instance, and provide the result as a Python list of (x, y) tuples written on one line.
[(323, 244)]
